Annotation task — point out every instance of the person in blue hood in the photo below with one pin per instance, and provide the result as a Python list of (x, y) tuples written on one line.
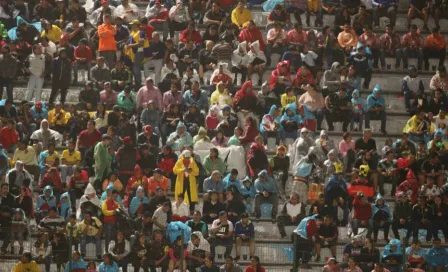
[(76, 263), (270, 124), (358, 108), (376, 108), (232, 183), (266, 192), (65, 209), (138, 203), (361, 57), (108, 192), (392, 255), (305, 231), (248, 193), (290, 121), (108, 264), (180, 138), (381, 217), (437, 257), (44, 202)]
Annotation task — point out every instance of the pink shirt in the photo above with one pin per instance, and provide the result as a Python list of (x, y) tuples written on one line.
[(344, 147), (272, 33), (144, 95), (295, 37), (110, 99)]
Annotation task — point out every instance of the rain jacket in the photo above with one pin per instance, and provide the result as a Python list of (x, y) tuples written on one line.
[(43, 202), (358, 104), (127, 103), (78, 265), (437, 256), (322, 151), (248, 191), (179, 171), (184, 140), (300, 148), (362, 63), (137, 203), (372, 101), (240, 58), (408, 187), (268, 185), (388, 253), (103, 198), (65, 209), (307, 224), (245, 100), (329, 164), (276, 74), (377, 209), (108, 268), (335, 188), (269, 120), (85, 198), (43, 114), (220, 96), (228, 183), (256, 53), (175, 229), (203, 246), (331, 78)]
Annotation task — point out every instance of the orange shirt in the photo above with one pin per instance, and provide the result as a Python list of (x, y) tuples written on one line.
[(432, 42), (106, 33), (153, 184)]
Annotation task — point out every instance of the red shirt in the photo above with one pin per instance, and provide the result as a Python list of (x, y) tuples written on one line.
[(148, 31), (249, 268), (362, 212), (87, 139), (84, 53), (195, 36), (153, 184), (8, 137)]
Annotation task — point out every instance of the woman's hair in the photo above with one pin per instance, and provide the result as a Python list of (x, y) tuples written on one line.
[(346, 135), (257, 260)]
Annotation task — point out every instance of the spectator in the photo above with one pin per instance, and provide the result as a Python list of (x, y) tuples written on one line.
[(415, 255), (241, 15), (107, 46), (7, 75), (76, 262), (412, 46), (436, 257), (353, 249), (198, 251), (36, 67), (179, 17), (381, 217), (370, 256), (362, 20), (362, 214), (221, 234), (434, 47), (42, 251), (315, 103), (108, 263), (422, 216), (266, 193), (158, 17), (100, 73), (390, 43), (376, 108), (419, 9), (387, 8), (440, 79), (306, 233), (332, 266), (347, 38), (392, 255), (327, 236)]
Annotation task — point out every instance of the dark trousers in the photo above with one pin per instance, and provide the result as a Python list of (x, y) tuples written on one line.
[(284, 220), (377, 227), (188, 193), (58, 86), (123, 263), (338, 116), (417, 53), (294, 59), (297, 12), (304, 248), (6, 83), (217, 241), (396, 225), (376, 115), (398, 56), (440, 224), (392, 180), (271, 49), (239, 70), (419, 225), (432, 53), (176, 26), (367, 75), (271, 199), (390, 12), (376, 56)]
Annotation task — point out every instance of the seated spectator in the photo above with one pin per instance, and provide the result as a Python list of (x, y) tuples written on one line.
[(198, 251), (277, 39), (327, 236), (280, 79), (180, 137), (193, 119), (352, 266), (41, 251), (419, 9), (376, 108), (158, 180), (221, 234), (315, 104), (348, 38), (422, 216), (353, 249), (392, 255), (83, 58), (415, 255), (390, 43), (100, 73), (212, 208), (362, 20), (220, 140), (436, 256), (440, 79), (381, 218), (139, 203), (213, 184), (151, 116), (234, 206), (412, 46), (256, 157), (108, 96), (266, 192), (291, 214), (197, 225), (257, 61), (108, 263), (332, 266), (362, 214), (370, 256)]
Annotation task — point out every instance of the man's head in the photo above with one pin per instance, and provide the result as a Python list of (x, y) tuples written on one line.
[(414, 29), (166, 206), (216, 7), (100, 61), (389, 29), (223, 216), (347, 28), (442, 71), (229, 261)]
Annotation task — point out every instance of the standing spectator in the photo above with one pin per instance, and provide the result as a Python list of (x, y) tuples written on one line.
[(36, 68), (7, 75), (187, 170), (156, 52), (412, 46), (384, 8), (61, 76), (291, 214), (434, 47), (135, 50), (107, 45), (108, 208), (376, 108)]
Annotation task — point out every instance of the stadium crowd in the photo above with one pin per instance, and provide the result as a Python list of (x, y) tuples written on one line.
[(149, 167)]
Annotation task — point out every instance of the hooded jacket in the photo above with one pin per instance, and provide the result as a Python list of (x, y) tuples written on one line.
[(307, 227), (329, 163), (301, 148), (358, 104), (331, 78), (245, 99), (137, 204), (335, 189), (251, 36), (269, 120), (184, 140), (276, 73), (268, 185), (383, 212), (388, 253), (409, 187), (65, 209), (79, 265), (43, 202), (200, 99), (363, 62), (290, 123), (240, 58), (256, 158), (150, 117), (256, 53), (372, 101), (412, 84), (201, 249)]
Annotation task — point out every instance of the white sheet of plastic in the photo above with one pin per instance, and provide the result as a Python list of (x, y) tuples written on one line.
[(236, 156)]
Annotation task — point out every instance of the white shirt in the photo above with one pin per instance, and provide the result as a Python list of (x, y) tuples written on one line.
[(181, 210), (293, 210), (124, 12), (217, 222), (309, 58)]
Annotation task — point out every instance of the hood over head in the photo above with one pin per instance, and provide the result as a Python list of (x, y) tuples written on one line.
[(377, 89), (48, 188), (89, 189), (356, 91), (137, 170), (335, 67), (292, 107), (243, 46), (273, 108), (302, 131), (332, 152), (263, 174), (180, 124)]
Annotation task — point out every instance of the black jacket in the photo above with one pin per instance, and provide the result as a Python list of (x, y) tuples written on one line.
[(61, 71)]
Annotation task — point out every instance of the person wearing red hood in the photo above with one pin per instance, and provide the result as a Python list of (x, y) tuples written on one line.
[(127, 157), (251, 34), (150, 138), (245, 102), (304, 76), (409, 187), (280, 78), (250, 131), (138, 179), (53, 179), (256, 157)]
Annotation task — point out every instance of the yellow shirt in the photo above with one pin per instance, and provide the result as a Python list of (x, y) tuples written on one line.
[(51, 158), (28, 267), (54, 34), (286, 100), (74, 228), (93, 228), (241, 18), (61, 120), (73, 158)]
